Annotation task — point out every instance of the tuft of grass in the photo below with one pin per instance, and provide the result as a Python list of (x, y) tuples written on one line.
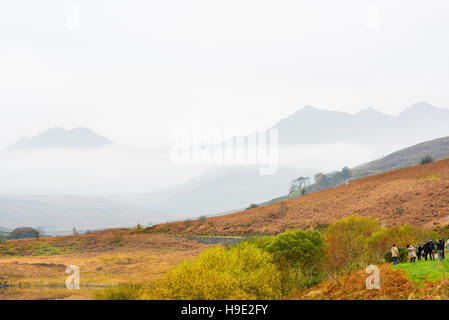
[(434, 177), (122, 292)]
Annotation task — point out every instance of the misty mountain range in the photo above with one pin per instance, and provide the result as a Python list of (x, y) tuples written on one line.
[(78, 138), (309, 125), (220, 190), (420, 122)]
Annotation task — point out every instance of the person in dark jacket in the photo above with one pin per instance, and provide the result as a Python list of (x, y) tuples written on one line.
[(419, 251), (426, 249), (444, 245), (431, 250)]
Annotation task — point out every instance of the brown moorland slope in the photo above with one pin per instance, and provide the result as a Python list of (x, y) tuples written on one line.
[(416, 195), (110, 240)]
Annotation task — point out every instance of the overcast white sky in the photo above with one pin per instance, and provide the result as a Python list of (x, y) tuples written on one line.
[(135, 70)]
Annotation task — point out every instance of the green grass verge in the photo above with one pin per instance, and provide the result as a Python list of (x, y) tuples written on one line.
[(425, 270)]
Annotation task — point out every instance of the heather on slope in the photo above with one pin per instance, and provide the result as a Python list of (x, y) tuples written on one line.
[(418, 196)]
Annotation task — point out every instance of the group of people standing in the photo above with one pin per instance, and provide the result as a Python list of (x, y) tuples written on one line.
[(426, 250)]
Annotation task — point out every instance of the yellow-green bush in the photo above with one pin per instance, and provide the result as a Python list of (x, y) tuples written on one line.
[(241, 272)]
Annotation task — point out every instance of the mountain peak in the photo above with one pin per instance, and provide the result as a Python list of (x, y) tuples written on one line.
[(421, 108), (369, 112), (422, 105), (57, 137), (308, 107)]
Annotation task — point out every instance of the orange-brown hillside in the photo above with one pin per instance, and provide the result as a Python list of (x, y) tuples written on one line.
[(417, 195)]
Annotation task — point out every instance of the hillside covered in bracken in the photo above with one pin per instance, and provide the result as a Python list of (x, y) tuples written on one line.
[(418, 196)]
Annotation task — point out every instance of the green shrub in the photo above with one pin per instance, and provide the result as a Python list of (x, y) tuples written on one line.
[(303, 250), (304, 283), (260, 242), (297, 254)]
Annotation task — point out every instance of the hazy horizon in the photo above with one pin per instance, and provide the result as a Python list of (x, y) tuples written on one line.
[(136, 73), (121, 169)]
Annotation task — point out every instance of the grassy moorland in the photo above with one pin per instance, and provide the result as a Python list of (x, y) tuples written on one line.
[(36, 267), (132, 264)]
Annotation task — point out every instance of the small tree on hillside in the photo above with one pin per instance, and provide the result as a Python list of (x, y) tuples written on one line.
[(346, 173), (40, 232), (23, 233), (299, 183), (426, 159), (322, 181)]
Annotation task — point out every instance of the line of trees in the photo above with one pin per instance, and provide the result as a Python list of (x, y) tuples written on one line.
[(301, 185)]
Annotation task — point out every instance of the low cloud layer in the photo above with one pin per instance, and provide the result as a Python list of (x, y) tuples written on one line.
[(116, 169), (101, 171)]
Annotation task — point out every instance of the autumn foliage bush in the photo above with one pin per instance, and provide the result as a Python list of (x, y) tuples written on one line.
[(346, 244), (352, 286), (240, 272), (394, 285)]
